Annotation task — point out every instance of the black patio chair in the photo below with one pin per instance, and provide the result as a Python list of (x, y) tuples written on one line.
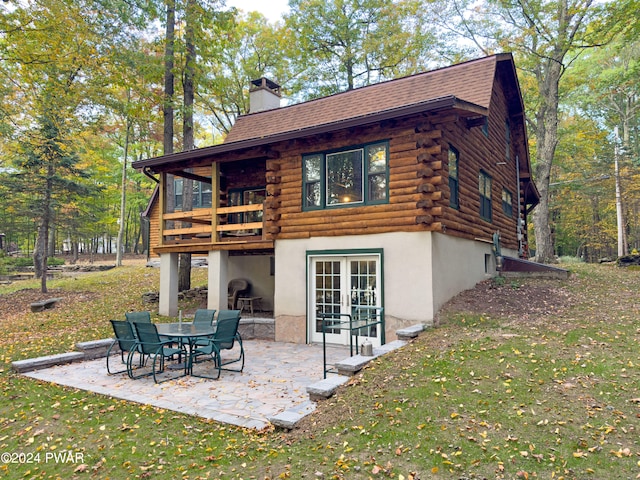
[(128, 344), (151, 344), (225, 338)]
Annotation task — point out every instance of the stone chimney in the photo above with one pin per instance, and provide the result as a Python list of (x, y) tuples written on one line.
[(264, 94)]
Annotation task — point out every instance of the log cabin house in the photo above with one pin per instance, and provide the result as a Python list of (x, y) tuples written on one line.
[(388, 195)]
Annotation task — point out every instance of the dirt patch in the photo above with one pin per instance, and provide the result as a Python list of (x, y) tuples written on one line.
[(518, 300)]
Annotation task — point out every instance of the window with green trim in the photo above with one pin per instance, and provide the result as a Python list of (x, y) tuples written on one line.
[(484, 186), (353, 176), (454, 157), (507, 203)]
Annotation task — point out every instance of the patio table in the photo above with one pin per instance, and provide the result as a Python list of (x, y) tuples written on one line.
[(187, 333)]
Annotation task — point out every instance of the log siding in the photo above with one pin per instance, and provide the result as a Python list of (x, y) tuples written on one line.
[(418, 196)]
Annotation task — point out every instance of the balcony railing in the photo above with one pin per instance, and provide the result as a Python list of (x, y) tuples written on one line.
[(202, 229)]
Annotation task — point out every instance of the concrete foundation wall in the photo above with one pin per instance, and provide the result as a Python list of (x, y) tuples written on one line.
[(421, 272), (406, 270), (459, 265)]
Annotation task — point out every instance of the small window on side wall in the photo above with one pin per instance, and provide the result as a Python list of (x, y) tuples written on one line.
[(454, 157), (484, 187), (507, 203)]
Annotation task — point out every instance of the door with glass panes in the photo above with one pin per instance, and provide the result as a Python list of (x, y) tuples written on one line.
[(337, 285)]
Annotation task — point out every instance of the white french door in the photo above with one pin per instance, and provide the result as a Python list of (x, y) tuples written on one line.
[(337, 285)]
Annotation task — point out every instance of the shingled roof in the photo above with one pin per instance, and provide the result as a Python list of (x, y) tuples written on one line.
[(470, 82), (466, 87)]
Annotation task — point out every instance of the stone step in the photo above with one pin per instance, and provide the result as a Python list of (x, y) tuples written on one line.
[(326, 388), (31, 364), (96, 348), (289, 418), (44, 304), (410, 332)]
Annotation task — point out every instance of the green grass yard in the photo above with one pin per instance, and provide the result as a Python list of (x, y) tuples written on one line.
[(549, 393)]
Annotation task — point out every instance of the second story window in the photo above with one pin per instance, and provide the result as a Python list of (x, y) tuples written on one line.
[(484, 186), (454, 157), (346, 177), (507, 203)]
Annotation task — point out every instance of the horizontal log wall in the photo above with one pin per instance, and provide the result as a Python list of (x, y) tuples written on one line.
[(405, 186), (418, 185), (487, 153)]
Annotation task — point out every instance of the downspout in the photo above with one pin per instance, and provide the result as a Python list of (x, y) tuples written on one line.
[(520, 219), (148, 173)]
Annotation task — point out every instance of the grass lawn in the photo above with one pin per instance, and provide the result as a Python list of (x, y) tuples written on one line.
[(545, 388)]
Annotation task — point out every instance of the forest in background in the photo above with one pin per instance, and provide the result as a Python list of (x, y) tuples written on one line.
[(88, 86)]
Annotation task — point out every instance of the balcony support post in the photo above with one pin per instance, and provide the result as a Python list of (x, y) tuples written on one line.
[(215, 200), (168, 301), (218, 280)]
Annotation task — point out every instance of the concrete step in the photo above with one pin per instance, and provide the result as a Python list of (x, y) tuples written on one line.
[(352, 365), (410, 332)]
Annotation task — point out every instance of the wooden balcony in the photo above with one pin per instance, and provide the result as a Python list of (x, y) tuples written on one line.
[(209, 231)]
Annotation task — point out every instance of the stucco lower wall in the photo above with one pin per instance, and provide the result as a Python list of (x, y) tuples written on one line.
[(460, 264), (406, 270), (421, 272)]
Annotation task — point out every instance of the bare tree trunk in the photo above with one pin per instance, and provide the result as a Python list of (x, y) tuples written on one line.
[(123, 196), (167, 109), (40, 250), (548, 75), (169, 77), (51, 242), (184, 272)]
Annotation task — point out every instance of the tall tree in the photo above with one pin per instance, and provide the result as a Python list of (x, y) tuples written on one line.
[(51, 61), (240, 49), (343, 44), (608, 89), (169, 76), (188, 91), (546, 36)]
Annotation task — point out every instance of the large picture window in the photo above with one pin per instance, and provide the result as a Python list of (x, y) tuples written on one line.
[(347, 177), (484, 184)]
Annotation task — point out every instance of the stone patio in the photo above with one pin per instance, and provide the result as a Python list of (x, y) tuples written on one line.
[(274, 382)]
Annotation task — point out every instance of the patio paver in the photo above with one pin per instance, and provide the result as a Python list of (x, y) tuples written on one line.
[(275, 379)]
